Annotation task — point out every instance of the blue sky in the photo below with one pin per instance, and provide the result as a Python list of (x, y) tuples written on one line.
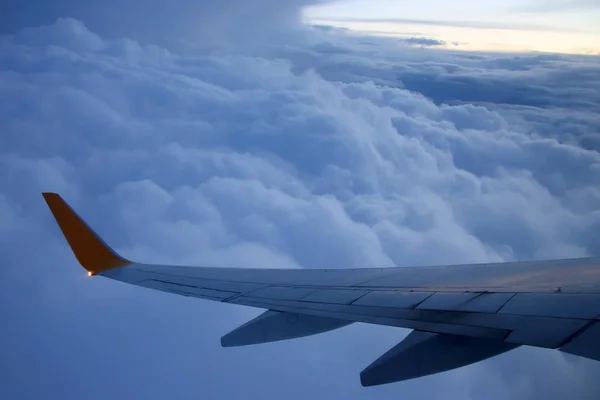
[(514, 25), (256, 140)]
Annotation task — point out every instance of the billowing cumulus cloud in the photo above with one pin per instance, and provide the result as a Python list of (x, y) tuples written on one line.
[(546, 95), (312, 155)]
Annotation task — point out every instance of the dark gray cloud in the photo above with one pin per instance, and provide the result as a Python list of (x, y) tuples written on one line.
[(309, 155), (423, 41)]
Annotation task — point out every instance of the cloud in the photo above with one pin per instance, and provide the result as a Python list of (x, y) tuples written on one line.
[(311, 155), (548, 95), (182, 24), (422, 41)]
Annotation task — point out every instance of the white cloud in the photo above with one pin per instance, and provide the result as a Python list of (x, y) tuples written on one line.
[(271, 161)]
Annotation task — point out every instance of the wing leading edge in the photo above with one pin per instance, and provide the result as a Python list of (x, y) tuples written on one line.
[(461, 314)]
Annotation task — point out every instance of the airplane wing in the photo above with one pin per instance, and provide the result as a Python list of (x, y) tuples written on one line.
[(460, 314)]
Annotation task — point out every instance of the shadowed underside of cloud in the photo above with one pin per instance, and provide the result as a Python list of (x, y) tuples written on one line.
[(306, 157)]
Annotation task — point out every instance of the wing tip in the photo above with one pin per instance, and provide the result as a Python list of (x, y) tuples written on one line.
[(90, 250)]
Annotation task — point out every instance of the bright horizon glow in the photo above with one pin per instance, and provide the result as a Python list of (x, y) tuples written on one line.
[(480, 39), (485, 28)]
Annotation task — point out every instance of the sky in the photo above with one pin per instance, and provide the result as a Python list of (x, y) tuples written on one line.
[(252, 139), (564, 26)]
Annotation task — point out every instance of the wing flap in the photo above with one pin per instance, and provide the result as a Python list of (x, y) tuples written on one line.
[(394, 299), (560, 305), (283, 292), (334, 296), (466, 301)]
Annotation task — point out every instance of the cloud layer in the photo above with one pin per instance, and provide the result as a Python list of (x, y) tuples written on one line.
[(313, 155), (180, 24)]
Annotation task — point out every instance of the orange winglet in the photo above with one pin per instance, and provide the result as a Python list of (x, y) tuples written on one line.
[(90, 250)]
